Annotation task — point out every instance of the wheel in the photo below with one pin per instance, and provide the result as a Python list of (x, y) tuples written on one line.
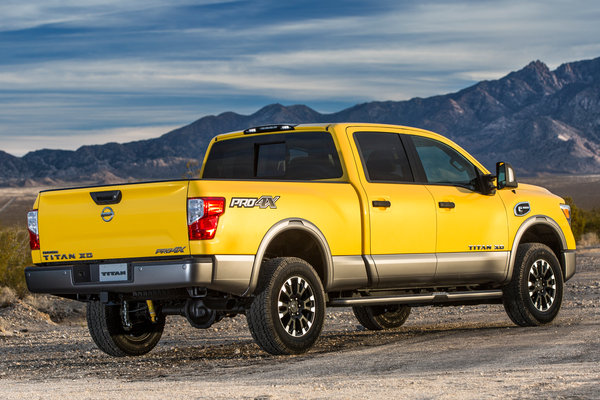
[(287, 314), (105, 324), (534, 295), (377, 318)]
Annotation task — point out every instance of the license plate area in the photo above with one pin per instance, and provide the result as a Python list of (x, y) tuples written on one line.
[(118, 272)]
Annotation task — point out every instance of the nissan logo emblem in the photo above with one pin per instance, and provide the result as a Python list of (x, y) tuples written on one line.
[(107, 214)]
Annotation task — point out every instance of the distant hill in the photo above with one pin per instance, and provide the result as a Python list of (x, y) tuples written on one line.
[(539, 120)]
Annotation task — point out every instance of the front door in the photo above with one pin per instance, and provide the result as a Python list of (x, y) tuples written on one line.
[(472, 229)]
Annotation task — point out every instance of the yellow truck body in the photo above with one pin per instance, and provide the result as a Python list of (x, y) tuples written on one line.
[(375, 210)]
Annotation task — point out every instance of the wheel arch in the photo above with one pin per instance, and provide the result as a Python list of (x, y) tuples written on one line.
[(294, 237), (540, 229)]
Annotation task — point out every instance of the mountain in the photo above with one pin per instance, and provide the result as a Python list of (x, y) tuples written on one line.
[(541, 121)]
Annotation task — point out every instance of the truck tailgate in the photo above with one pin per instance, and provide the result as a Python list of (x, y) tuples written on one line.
[(97, 223)]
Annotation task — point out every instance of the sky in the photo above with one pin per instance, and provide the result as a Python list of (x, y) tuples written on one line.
[(79, 72)]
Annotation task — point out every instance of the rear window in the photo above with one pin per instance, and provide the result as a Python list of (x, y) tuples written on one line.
[(285, 156)]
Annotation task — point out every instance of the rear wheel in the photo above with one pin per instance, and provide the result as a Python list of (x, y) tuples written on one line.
[(112, 335), (377, 318), (287, 314), (534, 295)]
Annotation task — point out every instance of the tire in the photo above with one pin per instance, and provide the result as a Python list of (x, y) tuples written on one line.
[(534, 295), (107, 331), (377, 318), (287, 314)]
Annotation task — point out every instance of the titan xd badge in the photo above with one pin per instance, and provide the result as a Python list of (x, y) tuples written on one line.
[(54, 255), (486, 247)]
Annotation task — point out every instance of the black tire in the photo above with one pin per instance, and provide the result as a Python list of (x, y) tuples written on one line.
[(295, 326), (534, 295), (377, 318), (107, 331)]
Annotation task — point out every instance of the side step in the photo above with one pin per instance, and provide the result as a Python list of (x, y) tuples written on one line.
[(427, 298)]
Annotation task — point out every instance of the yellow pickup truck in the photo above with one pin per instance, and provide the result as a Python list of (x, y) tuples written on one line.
[(286, 220)]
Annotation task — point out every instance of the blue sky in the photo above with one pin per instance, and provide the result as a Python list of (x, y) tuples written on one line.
[(76, 72)]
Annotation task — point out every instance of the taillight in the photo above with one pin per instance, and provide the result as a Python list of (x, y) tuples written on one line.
[(203, 216), (34, 233)]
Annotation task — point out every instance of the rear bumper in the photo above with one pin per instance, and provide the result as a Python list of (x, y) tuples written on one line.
[(229, 274)]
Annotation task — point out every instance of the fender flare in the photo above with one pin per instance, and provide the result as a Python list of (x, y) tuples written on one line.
[(528, 223), (273, 232)]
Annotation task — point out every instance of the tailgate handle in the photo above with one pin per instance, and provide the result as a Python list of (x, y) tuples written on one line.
[(108, 197)]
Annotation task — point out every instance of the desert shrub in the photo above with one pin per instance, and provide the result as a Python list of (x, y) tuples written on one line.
[(589, 239), (578, 220), (592, 221), (7, 296), (193, 169), (15, 255), (584, 222)]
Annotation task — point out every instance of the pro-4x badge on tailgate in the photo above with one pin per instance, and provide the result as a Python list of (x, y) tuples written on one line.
[(251, 202), (173, 250)]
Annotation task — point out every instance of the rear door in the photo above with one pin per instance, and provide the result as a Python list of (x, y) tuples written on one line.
[(114, 222), (401, 213)]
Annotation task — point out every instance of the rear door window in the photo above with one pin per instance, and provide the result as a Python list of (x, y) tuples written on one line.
[(383, 157)]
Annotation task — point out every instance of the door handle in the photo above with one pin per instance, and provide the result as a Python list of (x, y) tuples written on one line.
[(446, 204), (381, 203)]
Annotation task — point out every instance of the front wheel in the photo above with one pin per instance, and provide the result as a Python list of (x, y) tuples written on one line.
[(110, 334), (534, 295), (287, 314)]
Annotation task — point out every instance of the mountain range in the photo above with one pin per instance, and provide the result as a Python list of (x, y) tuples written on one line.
[(541, 121)]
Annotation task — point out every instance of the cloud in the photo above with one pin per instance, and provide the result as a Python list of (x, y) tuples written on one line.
[(287, 79), (25, 14), (91, 66)]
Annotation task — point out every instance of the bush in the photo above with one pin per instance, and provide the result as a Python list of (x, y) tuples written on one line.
[(583, 221), (15, 255), (592, 221), (578, 220), (7, 296)]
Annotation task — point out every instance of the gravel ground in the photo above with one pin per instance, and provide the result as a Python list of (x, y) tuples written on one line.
[(441, 352)]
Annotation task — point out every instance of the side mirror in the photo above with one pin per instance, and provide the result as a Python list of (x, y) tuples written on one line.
[(506, 176), (487, 186)]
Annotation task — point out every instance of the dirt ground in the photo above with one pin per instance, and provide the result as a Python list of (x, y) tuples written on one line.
[(451, 352)]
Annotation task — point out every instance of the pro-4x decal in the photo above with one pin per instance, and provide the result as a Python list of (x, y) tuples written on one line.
[(251, 202)]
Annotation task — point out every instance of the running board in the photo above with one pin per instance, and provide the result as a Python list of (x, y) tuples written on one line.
[(428, 298)]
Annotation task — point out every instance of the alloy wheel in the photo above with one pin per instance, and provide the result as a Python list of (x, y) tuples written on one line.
[(296, 306), (541, 285)]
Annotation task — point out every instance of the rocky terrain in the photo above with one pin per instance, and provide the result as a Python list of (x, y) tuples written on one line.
[(541, 121), (454, 352)]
